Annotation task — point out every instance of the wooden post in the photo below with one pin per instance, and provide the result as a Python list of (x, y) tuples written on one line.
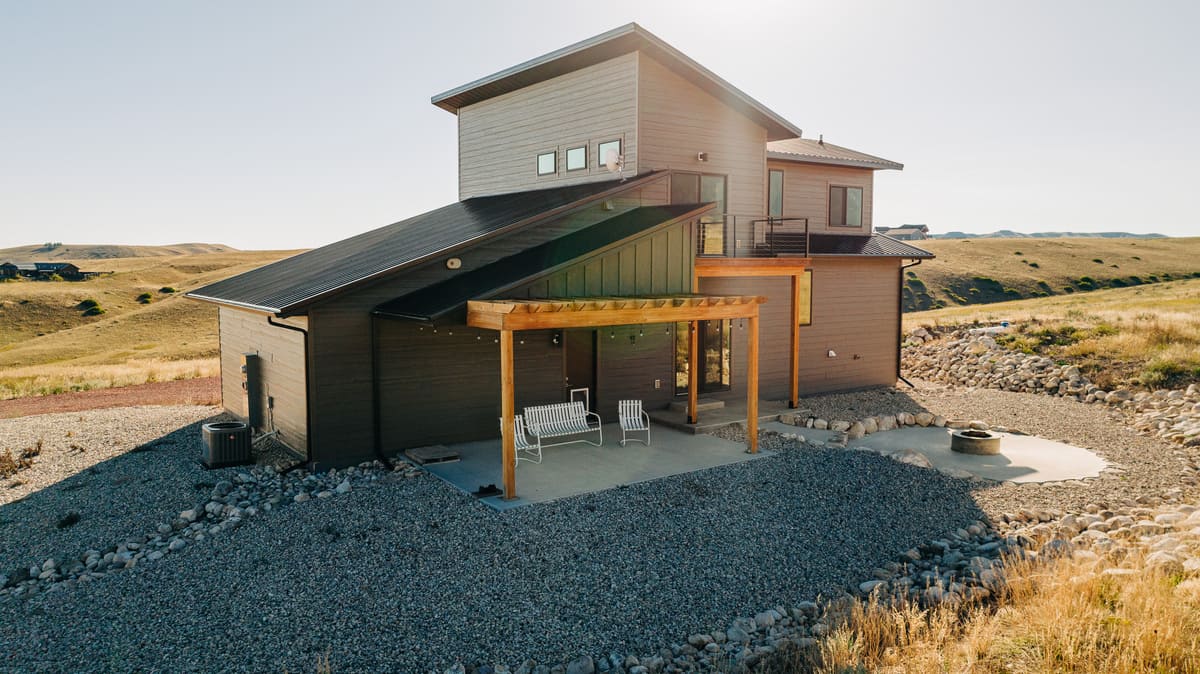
[(794, 399), (508, 448), (752, 384), (693, 369)]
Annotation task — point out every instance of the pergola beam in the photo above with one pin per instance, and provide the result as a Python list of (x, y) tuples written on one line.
[(550, 314)]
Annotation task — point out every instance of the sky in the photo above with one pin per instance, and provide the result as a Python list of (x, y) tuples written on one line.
[(281, 125)]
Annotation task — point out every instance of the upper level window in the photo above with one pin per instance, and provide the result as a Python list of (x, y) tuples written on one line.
[(606, 148), (546, 163), (775, 194), (577, 158), (845, 206)]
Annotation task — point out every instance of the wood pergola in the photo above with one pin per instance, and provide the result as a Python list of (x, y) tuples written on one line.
[(508, 316)]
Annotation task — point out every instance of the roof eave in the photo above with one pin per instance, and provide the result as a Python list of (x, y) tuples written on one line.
[(237, 305), (882, 164)]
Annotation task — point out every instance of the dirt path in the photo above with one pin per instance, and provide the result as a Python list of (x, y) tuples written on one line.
[(205, 391)]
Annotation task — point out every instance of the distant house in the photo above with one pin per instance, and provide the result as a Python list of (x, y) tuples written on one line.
[(8, 270), (906, 233), (44, 270), (624, 212)]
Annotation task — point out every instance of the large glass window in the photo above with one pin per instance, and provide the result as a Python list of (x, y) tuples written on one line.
[(685, 188), (577, 158), (845, 206), (775, 194), (546, 163)]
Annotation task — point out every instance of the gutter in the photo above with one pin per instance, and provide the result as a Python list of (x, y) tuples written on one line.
[(900, 319), (307, 392)]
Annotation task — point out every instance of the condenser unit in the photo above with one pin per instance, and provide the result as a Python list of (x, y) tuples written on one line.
[(226, 443)]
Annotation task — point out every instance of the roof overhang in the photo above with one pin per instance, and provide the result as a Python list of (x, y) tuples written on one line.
[(606, 46), (879, 164), (585, 312)]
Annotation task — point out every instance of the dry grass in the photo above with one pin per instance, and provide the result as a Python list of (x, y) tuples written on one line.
[(11, 464), (975, 271), (48, 345), (1147, 336), (1065, 617)]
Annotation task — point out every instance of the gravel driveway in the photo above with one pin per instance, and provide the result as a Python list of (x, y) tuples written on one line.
[(408, 574)]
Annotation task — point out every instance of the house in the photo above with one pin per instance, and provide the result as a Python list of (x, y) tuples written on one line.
[(629, 225), (45, 270), (906, 233), (8, 270)]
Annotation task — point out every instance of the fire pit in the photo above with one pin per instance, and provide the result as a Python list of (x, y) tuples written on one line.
[(975, 442)]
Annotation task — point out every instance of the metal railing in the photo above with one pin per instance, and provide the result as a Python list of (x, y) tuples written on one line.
[(733, 235)]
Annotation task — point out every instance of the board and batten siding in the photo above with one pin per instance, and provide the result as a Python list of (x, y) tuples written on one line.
[(677, 120), (340, 331), (806, 193), (281, 353), (854, 312), (499, 138)]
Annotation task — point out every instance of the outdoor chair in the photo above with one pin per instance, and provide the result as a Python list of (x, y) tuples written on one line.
[(633, 420), (521, 443)]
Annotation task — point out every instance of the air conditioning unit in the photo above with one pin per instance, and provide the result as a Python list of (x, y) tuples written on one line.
[(226, 443)]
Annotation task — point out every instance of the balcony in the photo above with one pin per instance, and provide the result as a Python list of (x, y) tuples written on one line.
[(745, 236)]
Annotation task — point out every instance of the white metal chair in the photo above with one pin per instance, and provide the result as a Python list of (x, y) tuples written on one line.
[(633, 420), (521, 443)]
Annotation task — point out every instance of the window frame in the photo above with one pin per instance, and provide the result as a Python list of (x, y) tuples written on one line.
[(862, 203), (600, 151), (567, 158), (537, 163)]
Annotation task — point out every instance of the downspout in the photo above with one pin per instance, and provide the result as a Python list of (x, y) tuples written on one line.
[(307, 394), (900, 320)]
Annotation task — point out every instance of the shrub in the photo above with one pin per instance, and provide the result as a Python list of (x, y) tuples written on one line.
[(9, 464), (89, 303), (1117, 283), (94, 311), (1097, 260), (167, 290), (1017, 252), (1034, 265), (1163, 372), (144, 298), (55, 277), (1136, 257), (1068, 289), (1135, 280)]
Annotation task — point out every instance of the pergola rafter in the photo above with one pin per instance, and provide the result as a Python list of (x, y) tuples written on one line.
[(509, 315)]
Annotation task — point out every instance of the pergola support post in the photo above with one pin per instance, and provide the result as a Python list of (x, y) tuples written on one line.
[(507, 412), (794, 372), (752, 384), (693, 370)]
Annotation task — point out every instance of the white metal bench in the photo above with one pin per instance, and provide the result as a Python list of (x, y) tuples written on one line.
[(561, 420), (633, 420), (522, 444)]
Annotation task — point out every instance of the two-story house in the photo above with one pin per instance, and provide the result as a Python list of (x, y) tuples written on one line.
[(629, 223)]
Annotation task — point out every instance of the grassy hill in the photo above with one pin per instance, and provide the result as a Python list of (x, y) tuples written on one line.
[(82, 253), (125, 328), (980, 271), (1146, 336)]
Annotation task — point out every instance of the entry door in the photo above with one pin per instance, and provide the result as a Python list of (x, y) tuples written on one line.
[(579, 363), (715, 352)]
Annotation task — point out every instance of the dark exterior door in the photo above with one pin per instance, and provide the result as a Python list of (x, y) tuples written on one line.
[(579, 363), (715, 338)]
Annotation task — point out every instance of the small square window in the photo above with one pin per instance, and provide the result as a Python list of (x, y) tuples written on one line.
[(577, 158), (546, 163), (603, 151)]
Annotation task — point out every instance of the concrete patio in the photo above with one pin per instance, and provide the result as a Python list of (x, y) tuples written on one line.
[(579, 468)]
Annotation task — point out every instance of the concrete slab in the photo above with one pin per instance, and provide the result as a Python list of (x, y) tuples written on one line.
[(732, 412), (578, 468), (1022, 458)]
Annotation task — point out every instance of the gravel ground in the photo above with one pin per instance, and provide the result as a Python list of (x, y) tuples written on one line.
[(405, 575), (115, 491)]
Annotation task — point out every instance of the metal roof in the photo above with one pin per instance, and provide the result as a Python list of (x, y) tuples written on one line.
[(819, 152), (286, 287), (441, 299), (603, 47), (876, 245)]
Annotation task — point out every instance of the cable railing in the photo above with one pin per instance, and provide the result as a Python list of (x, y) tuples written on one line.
[(733, 235)]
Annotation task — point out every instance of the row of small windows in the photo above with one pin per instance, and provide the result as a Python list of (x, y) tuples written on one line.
[(576, 157)]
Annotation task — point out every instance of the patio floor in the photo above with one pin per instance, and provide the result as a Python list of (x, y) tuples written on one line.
[(579, 468), (733, 412)]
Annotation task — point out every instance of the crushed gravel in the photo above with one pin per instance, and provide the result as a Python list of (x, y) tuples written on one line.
[(409, 574)]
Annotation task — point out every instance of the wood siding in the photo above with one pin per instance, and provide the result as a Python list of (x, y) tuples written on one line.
[(854, 312), (499, 139), (806, 193), (340, 334), (677, 120), (282, 356)]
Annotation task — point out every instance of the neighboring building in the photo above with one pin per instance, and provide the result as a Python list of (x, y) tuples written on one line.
[(554, 273), (906, 233), (45, 270), (8, 270)]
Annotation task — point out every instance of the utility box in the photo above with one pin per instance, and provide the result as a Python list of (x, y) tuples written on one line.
[(226, 443), (252, 388)]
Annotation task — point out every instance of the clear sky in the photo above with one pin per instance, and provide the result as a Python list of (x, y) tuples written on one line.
[(292, 124)]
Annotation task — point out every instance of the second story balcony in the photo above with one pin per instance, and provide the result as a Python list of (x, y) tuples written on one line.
[(732, 235)]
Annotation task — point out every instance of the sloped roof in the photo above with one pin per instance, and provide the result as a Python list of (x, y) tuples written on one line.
[(287, 286), (603, 47), (819, 152), (440, 299), (876, 245)]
